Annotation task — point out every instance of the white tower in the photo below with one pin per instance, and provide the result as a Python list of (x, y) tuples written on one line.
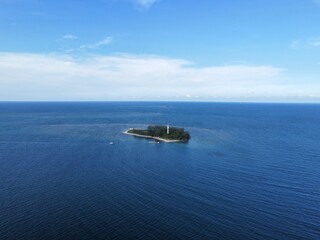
[(168, 129)]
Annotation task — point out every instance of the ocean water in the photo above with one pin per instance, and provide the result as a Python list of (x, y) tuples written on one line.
[(250, 171)]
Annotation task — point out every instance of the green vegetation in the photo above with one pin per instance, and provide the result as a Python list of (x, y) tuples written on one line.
[(161, 132)]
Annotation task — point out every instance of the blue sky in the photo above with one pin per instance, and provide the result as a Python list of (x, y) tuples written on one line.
[(209, 50)]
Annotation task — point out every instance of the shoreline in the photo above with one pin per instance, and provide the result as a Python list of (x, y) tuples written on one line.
[(150, 137)]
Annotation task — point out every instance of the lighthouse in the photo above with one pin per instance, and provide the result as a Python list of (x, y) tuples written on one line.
[(168, 129)]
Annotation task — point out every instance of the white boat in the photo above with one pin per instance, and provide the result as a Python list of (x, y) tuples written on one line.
[(111, 143)]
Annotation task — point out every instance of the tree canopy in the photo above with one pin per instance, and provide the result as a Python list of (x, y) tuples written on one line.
[(161, 132)]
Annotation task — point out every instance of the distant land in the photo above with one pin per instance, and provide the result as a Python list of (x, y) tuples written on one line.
[(161, 133)]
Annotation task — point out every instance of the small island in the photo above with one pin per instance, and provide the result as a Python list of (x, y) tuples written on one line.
[(161, 133)]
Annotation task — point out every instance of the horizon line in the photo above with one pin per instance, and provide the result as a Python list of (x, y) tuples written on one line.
[(157, 101)]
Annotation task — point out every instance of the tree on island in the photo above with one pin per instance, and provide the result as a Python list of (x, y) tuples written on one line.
[(161, 132)]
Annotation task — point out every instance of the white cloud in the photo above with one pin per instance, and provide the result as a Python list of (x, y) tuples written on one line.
[(70, 37), (105, 41), (146, 3), (129, 77)]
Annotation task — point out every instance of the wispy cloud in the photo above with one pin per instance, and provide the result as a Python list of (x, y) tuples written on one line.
[(127, 77), (141, 4), (310, 42), (69, 37), (316, 1), (103, 42), (314, 42), (295, 44), (146, 3)]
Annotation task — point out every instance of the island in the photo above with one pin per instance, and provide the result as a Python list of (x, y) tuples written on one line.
[(161, 133)]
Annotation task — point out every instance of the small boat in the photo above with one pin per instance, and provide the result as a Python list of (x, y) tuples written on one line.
[(111, 143), (157, 142)]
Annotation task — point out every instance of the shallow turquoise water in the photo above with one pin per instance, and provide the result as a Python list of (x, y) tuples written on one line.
[(250, 171)]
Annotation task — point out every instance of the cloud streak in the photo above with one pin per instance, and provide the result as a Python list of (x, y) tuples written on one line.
[(315, 42), (104, 42), (316, 1), (131, 77), (146, 3), (310, 42), (69, 37)]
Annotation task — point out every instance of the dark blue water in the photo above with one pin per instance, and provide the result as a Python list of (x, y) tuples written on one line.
[(250, 171)]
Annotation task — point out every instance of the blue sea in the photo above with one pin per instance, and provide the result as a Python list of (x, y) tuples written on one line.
[(250, 171)]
